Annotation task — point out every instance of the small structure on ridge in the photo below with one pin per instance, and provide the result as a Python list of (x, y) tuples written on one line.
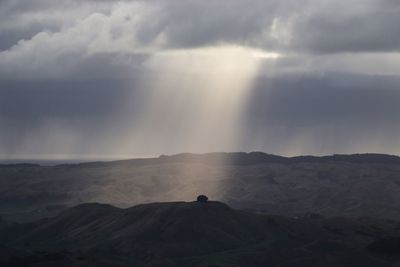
[(202, 199)]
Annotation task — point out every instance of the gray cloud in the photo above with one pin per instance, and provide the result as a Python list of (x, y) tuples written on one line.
[(71, 32), (107, 77), (297, 114), (371, 29), (332, 113), (316, 26)]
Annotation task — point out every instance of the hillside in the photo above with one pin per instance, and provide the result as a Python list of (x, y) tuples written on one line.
[(191, 234), (348, 185)]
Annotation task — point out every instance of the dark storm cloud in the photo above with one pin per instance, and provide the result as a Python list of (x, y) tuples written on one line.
[(27, 108), (314, 26), (72, 99), (368, 31), (21, 20), (195, 23), (75, 74), (308, 100), (56, 37), (332, 113)]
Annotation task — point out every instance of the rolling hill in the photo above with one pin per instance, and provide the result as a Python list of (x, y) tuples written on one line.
[(191, 234), (338, 185)]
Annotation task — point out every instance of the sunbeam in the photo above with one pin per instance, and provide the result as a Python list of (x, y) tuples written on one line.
[(197, 96)]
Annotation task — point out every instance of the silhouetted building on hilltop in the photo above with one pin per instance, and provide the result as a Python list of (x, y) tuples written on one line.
[(202, 198)]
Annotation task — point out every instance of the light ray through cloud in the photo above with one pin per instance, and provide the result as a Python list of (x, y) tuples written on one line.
[(198, 96)]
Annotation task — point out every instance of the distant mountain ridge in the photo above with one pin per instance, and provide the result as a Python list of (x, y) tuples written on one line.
[(235, 158), (251, 158), (242, 158)]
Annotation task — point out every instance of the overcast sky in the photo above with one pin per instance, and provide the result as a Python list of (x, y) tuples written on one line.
[(104, 79)]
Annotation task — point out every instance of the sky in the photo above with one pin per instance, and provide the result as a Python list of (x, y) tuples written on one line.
[(118, 79)]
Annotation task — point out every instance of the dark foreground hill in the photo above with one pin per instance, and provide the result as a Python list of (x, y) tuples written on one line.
[(192, 234)]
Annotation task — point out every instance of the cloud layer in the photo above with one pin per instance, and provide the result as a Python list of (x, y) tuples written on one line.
[(77, 77)]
